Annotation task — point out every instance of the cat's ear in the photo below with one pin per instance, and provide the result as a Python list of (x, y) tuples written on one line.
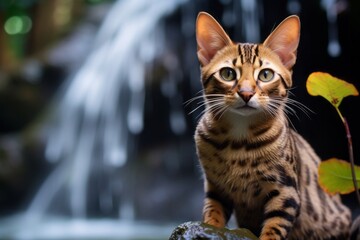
[(284, 40), (210, 37)]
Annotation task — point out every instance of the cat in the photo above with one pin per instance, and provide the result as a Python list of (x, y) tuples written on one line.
[(254, 164)]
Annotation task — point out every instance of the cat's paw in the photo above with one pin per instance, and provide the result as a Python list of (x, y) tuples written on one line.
[(214, 222), (271, 234)]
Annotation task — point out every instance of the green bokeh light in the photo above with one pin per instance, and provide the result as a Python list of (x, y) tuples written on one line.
[(18, 25)]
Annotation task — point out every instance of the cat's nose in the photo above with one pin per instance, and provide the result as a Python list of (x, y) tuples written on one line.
[(246, 95)]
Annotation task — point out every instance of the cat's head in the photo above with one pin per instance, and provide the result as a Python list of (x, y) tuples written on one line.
[(246, 78)]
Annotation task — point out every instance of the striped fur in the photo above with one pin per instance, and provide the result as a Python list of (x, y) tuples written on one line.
[(255, 166)]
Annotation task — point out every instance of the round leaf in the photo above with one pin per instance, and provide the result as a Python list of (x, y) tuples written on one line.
[(335, 176), (329, 87)]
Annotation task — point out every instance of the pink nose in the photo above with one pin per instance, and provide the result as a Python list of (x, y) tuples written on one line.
[(246, 95)]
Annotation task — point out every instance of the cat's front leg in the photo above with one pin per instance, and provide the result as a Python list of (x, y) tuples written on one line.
[(217, 208), (281, 210)]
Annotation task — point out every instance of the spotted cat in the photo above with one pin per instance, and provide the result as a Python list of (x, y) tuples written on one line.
[(254, 164)]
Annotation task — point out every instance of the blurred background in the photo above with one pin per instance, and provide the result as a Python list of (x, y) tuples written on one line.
[(96, 138)]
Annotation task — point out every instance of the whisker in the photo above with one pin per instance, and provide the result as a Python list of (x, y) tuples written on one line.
[(202, 97), (289, 103), (287, 109), (201, 92), (224, 110), (194, 110), (275, 105), (193, 99), (218, 109), (306, 110), (214, 100), (272, 108), (214, 107), (291, 88)]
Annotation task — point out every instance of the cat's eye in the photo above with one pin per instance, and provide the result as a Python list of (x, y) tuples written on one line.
[(266, 75), (228, 74)]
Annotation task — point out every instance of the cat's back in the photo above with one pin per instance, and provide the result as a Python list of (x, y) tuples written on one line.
[(321, 214), (304, 151)]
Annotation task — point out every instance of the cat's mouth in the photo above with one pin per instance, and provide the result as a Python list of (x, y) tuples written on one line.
[(246, 106), (244, 110)]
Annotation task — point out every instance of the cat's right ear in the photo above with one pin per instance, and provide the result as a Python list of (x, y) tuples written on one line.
[(210, 37)]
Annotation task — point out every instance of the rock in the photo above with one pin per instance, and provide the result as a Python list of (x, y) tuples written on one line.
[(199, 230)]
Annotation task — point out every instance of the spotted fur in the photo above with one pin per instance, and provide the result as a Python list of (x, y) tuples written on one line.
[(255, 166)]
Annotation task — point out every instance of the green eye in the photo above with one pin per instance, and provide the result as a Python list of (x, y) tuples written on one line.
[(228, 74), (266, 75)]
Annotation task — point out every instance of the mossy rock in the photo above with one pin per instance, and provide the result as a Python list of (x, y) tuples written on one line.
[(199, 230)]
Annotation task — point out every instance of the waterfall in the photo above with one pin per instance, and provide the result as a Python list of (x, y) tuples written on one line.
[(99, 110), (332, 7)]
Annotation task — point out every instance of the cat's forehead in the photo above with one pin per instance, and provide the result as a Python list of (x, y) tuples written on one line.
[(246, 53)]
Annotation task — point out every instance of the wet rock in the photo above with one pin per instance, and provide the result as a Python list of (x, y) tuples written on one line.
[(199, 230)]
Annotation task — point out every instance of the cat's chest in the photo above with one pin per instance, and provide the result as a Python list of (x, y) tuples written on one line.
[(242, 167), (239, 174), (235, 161)]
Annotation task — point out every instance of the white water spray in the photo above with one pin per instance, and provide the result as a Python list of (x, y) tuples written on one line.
[(332, 8), (102, 105)]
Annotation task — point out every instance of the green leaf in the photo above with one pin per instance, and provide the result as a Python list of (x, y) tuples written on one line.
[(329, 87), (335, 176)]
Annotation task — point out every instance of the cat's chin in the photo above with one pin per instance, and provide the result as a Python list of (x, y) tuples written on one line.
[(245, 111)]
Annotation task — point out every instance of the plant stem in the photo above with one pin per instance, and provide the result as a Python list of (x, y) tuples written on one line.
[(351, 154)]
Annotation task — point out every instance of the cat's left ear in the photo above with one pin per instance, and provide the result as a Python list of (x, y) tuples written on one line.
[(284, 40)]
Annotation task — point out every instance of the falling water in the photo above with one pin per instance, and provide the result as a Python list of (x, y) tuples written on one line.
[(90, 114), (331, 8), (245, 16), (101, 108), (251, 20), (294, 6)]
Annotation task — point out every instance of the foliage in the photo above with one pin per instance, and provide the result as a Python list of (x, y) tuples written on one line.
[(331, 88), (335, 175)]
